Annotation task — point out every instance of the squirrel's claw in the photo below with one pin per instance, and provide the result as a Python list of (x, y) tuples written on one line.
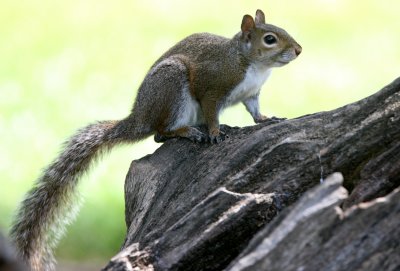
[(276, 119), (218, 138), (264, 119), (193, 135), (158, 138), (198, 138)]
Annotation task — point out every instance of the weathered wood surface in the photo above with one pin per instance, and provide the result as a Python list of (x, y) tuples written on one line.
[(249, 203)]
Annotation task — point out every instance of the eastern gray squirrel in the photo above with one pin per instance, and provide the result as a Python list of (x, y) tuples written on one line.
[(187, 86)]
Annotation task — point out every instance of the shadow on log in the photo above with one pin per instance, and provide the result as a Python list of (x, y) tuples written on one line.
[(255, 202)]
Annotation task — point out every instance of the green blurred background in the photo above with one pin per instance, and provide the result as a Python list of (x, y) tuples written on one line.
[(64, 64)]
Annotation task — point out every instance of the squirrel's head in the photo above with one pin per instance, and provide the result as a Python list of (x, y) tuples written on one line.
[(266, 44)]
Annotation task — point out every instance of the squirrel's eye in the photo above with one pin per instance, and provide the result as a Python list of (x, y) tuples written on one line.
[(270, 39)]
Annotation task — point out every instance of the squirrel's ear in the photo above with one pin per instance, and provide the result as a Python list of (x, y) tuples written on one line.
[(260, 17), (247, 24)]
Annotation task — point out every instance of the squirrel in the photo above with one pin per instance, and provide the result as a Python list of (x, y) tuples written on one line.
[(186, 87)]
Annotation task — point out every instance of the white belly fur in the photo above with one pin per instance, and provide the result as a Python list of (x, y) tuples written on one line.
[(189, 113), (254, 78)]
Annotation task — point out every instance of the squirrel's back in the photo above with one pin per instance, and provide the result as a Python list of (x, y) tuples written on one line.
[(200, 48)]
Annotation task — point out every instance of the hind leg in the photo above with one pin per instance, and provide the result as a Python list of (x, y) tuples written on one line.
[(191, 133), (166, 102)]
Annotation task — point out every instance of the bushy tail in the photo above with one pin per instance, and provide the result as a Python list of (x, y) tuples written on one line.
[(49, 206)]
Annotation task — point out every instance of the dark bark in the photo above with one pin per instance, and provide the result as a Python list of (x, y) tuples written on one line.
[(248, 203)]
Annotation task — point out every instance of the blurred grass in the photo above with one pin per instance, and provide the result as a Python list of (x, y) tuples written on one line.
[(64, 64)]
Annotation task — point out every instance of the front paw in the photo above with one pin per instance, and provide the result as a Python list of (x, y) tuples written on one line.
[(263, 119), (276, 119), (217, 136), (260, 119)]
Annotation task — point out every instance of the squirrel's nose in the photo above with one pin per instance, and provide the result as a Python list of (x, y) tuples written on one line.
[(297, 50)]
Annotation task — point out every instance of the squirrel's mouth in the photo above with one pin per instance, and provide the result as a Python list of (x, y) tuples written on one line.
[(282, 62)]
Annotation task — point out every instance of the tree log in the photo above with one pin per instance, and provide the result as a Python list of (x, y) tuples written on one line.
[(255, 202)]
